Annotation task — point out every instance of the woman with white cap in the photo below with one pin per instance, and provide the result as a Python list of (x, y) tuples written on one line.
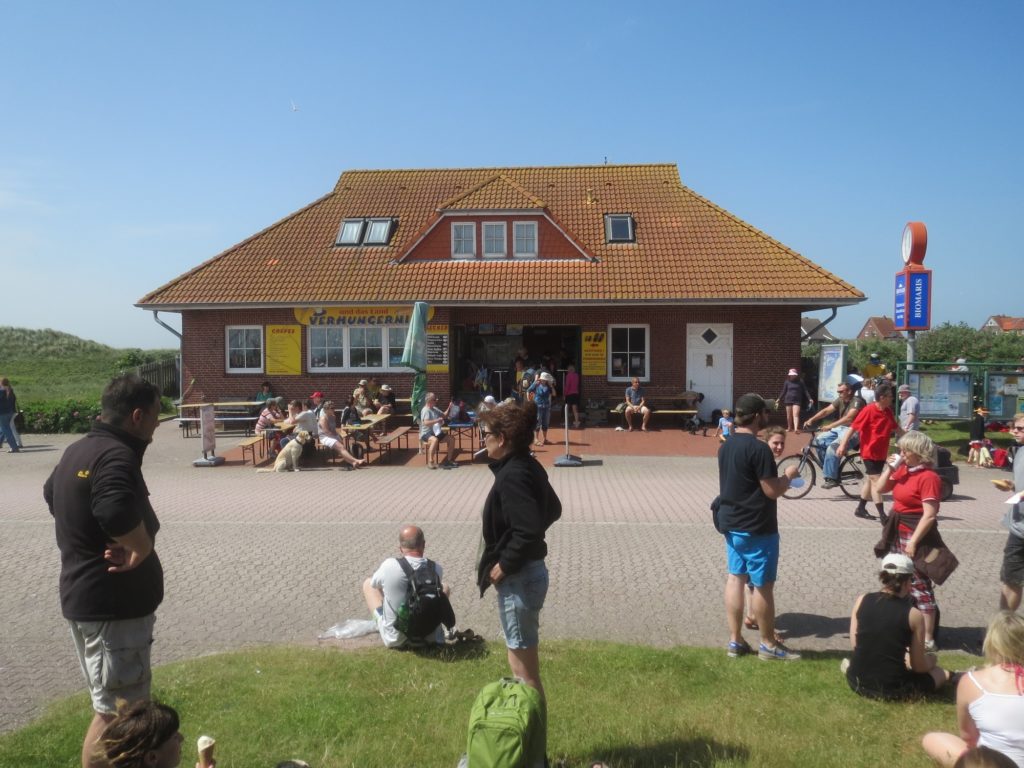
[(887, 633), (543, 390), (794, 396)]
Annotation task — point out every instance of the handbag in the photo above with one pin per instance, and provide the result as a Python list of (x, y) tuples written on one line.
[(937, 563)]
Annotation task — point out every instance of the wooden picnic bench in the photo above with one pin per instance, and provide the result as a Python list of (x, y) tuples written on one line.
[(682, 405), (250, 444), (232, 414), (396, 435)]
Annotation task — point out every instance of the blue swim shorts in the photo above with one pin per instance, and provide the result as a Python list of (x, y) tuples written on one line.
[(753, 555)]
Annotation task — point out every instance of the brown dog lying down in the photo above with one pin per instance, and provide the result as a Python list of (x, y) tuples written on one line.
[(288, 459)]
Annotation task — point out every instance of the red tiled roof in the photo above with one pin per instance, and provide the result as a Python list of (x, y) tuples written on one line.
[(687, 249)]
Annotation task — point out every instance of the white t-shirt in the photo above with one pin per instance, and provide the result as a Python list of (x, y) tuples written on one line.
[(307, 421), (392, 580)]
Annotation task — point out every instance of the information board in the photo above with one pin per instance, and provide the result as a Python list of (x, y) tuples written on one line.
[(595, 353), (831, 371), (284, 350), (942, 394), (437, 348), (1002, 393)]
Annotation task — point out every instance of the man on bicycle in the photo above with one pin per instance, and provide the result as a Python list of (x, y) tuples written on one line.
[(844, 408)]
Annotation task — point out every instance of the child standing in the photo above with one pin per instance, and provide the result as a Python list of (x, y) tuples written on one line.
[(724, 426)]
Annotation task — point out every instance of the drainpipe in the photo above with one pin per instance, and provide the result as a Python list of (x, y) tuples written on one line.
[(814, 330), (156, 317)]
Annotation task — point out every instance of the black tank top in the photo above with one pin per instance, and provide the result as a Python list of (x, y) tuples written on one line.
[(883, 637)]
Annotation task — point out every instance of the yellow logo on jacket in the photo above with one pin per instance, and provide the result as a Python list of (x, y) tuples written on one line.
[(84, 474)]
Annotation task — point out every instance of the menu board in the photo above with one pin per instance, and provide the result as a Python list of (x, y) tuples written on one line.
[(942, 394), (1002, 393), (437, 348), (284, 350)]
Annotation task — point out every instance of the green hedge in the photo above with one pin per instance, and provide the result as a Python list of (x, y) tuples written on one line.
[(68, 416)]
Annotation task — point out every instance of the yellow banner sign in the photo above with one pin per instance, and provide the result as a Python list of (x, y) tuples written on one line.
[(357, 315), (595, 353), (284, 350)]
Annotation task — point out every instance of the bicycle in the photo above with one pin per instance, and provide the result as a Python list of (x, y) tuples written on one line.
[(851, 471)]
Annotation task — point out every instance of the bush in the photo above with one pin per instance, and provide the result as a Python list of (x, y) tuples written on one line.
[(57, 417)]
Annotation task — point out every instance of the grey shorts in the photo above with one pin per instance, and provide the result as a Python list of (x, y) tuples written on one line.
[(115, 659), (1012, 572)]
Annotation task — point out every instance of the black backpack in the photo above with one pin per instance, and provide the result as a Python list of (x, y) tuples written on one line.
[(426, 605)]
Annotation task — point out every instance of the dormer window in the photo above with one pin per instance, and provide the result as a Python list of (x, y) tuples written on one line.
[(463, 241), (366, 231), (525, 239), (618, 228)]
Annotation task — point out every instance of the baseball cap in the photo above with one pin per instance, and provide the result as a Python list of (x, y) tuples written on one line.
[(317, 394), (489, 399), (904, 388), (873, 355), (385, 387), (897, 562), (363, 382), (961, 360), (749, 404), (793, 372), (547, 376)]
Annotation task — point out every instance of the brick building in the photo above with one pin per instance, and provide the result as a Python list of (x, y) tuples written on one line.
[(619, 269)]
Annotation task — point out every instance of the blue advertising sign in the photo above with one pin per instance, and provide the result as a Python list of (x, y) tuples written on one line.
[(913, 307)]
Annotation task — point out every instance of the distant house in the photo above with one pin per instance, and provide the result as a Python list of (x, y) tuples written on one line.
[(1004, 324), (879, 328), (811, 333)]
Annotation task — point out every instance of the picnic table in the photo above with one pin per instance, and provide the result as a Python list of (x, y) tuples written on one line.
[(230, 413)]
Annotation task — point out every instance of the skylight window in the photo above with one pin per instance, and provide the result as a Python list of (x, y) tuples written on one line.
[(378, 232), (371, 231), (618, 228)]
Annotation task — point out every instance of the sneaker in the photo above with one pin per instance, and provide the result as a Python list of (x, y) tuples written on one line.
[(741, 648), (844, 665), (448, 465), (830, 483), (863, 514), (778, 653), (930, 646)]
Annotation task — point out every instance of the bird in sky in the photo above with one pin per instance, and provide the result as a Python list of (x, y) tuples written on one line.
[(295, 107)]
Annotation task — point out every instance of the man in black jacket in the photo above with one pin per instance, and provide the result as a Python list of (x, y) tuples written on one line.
[(111, 580)]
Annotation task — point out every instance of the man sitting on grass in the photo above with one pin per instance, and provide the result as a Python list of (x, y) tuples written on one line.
[(394, 605)]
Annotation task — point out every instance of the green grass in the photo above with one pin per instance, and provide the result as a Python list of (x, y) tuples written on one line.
[(47, 365), (955, 436), (629, 705)]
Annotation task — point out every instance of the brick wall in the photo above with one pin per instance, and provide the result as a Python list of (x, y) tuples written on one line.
[(766, 343)]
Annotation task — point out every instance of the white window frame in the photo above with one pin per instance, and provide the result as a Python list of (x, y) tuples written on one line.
[(361, 228), (309, 350), (227, 349), (347, 366), (472, 226), (515, 240), (388, 229), (646, 377), (504, 240), (608, 217)]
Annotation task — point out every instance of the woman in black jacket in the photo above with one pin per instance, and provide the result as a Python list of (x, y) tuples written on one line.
[(519, 509)]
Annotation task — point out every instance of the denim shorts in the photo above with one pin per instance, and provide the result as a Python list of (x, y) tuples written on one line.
[(115, 658), (753, 555), (520, 598), (543, 416)]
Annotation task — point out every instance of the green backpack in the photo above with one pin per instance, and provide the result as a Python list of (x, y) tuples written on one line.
[(507, 727)]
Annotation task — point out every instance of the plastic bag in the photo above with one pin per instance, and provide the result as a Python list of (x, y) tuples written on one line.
[(349, 629)]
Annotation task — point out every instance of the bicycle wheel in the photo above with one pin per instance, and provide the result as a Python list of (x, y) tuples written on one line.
[(807, 474), (851, 474)]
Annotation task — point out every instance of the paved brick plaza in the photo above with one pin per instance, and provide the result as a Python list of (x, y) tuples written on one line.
[(254, 558)]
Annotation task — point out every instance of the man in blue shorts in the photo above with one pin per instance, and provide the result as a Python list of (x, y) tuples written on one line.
[(748, 518)]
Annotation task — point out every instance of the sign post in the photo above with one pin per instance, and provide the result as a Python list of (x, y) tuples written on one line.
[(913, 295)]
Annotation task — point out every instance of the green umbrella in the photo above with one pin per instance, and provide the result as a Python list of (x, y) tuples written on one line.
[(415, 356)]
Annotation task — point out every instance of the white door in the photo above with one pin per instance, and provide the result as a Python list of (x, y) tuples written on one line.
[(709, 364)]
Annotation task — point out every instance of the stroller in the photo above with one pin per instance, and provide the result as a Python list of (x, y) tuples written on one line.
[(691, 401)]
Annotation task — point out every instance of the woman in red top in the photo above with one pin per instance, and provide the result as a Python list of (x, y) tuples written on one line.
[(916, 490), (875, 424)]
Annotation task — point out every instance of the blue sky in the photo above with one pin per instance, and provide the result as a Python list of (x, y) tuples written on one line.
[(138, 140)]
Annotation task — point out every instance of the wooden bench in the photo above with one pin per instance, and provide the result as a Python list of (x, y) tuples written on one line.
[(250, 444), (657, 410), (395, 435)]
